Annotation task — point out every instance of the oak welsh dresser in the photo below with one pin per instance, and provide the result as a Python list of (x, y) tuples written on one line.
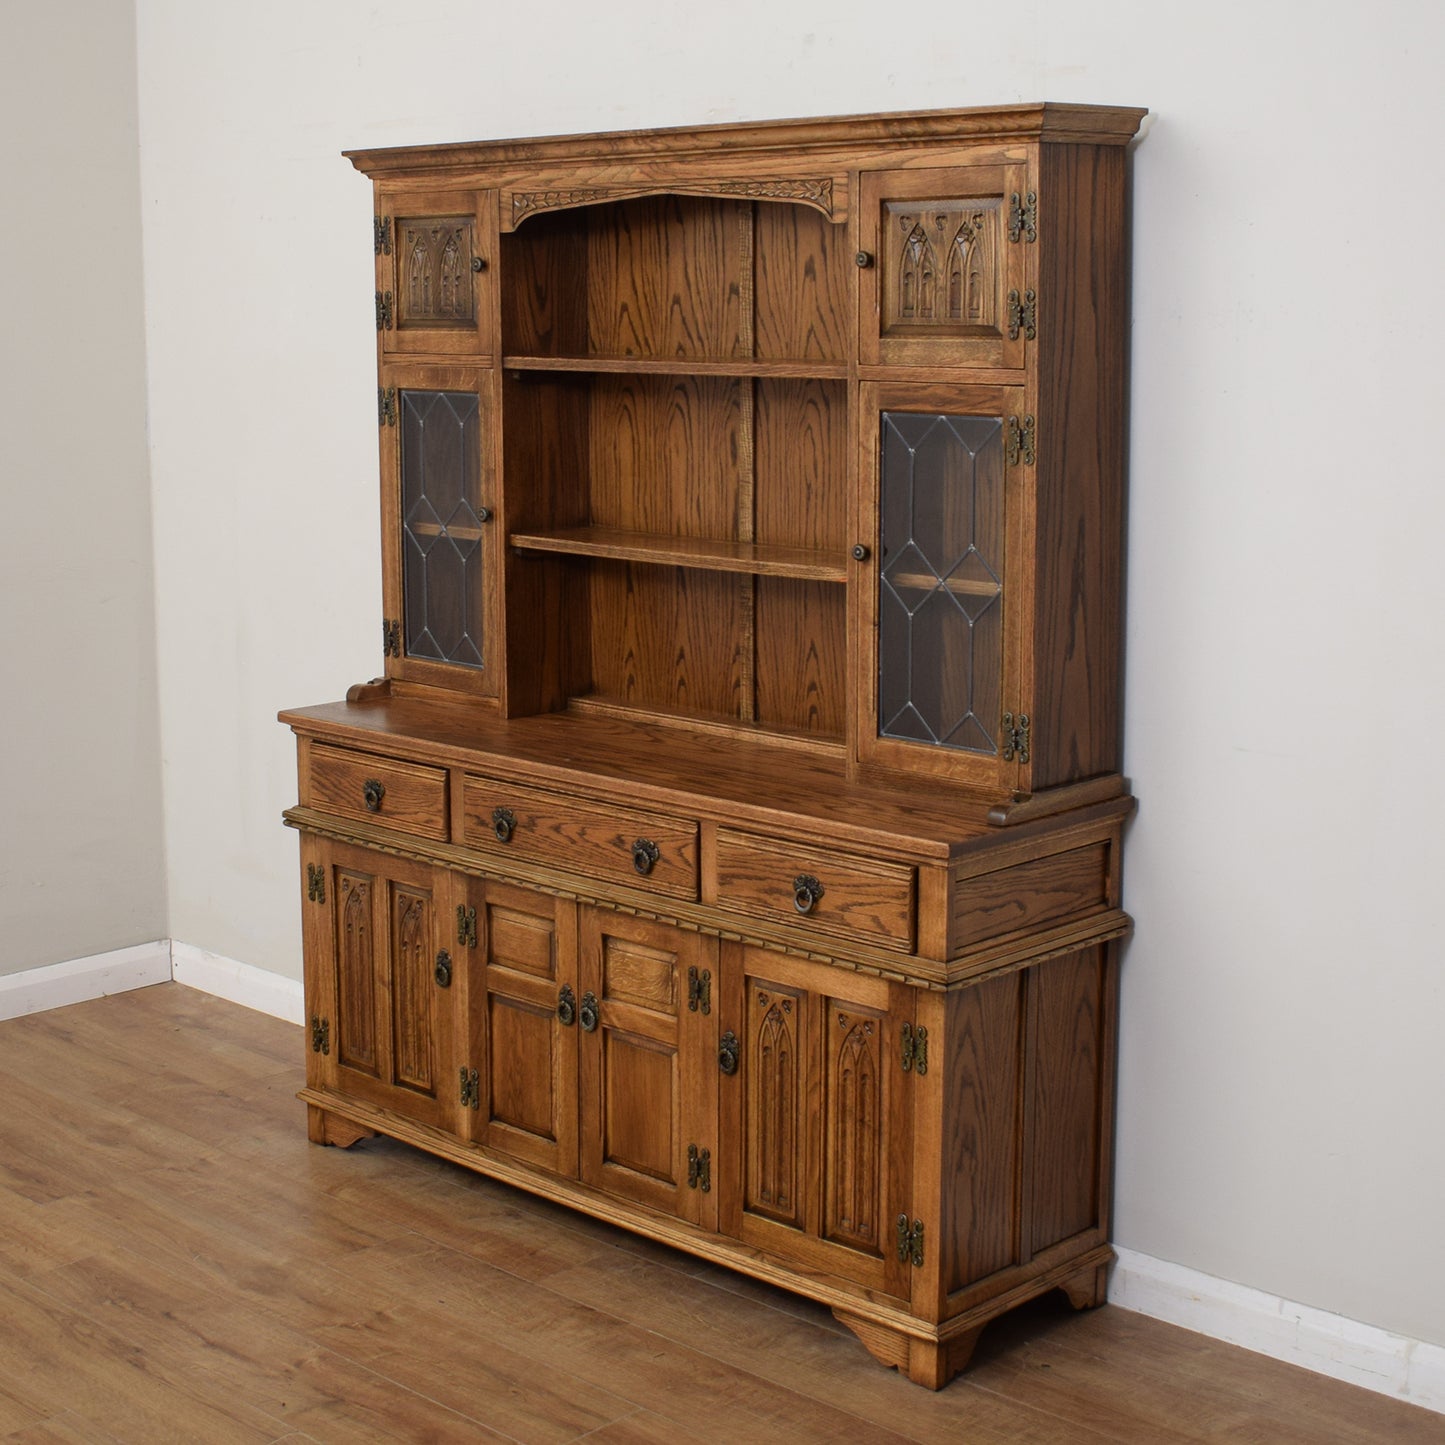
[(731, 849)]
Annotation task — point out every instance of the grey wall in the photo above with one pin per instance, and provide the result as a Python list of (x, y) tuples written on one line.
[(81, 858)]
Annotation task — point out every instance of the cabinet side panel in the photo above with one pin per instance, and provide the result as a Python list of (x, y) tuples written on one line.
[(982, 1124), (1082, 311), (544, 287), (1068, 1096)]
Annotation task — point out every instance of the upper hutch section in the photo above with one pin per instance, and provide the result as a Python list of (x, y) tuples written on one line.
[(810, 431)]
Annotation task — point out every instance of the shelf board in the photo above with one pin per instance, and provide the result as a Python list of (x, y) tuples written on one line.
[(681, 366), (959, 586), (696, 552)]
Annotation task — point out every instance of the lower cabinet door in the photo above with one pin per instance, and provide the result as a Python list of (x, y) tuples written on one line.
[(517, 951), (647, 1063), (818, 1115), (379, 1022)]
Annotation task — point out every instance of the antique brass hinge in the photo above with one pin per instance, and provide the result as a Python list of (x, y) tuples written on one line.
[(1023, 216), (1023, 315), (699, 990), (315, 883), (910, 1242), (914, 1049), (320, 1035), (1019, 440), (699, 1168), (381, 234), (1016, 737), (386, 406), (471, 1090), (383, 310), (466, 926), (390, 637)]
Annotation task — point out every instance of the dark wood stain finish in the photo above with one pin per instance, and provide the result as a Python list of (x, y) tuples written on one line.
[(724, 964)]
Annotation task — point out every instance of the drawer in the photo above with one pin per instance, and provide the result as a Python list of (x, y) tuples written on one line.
[(626, 845), (855, 897), (406, 796)]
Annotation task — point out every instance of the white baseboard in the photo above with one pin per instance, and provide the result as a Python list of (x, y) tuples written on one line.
[(79, 979), (1390, 1364), (243, 983)]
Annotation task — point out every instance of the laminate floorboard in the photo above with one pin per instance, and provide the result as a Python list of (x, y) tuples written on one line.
[(178, 1263)]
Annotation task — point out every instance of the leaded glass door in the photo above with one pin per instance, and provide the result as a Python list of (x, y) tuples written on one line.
[(946, 580), (439, 529)]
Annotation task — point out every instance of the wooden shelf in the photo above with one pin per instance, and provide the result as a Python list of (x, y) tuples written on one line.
[(696, 552), (681, 366), (959, 586)]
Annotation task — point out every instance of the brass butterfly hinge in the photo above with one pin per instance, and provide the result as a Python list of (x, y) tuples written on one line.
[(1023, 315), (1019, 436), (1023, 216), (699, 1168), (914, 1049), (386, 406), (315, 883), (699, 990), (471, 1090), (466, 926), (320, 1035), (383, 310), (1016, 737), (381, 234), (390, 637), (910, 1242)]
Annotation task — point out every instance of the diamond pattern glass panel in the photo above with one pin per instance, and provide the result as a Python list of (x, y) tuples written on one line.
[(441, 531), (940, 590)]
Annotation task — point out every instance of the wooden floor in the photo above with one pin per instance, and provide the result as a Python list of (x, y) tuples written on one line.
[(177, 1263)]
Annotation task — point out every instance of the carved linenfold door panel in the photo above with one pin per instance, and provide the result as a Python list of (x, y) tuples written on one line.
[(946, 282), (647, 1070), (819, 1114), (435, 259), (378, 1028), (518, 952)]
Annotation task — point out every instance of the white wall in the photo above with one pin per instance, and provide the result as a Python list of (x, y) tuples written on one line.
[(81, 869), (1283, 1008)]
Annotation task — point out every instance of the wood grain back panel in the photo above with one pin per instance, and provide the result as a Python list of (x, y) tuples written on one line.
[(803, 269)]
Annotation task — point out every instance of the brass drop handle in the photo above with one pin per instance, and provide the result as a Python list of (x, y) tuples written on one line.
[(372, 792), (863, 259), (478, 263), (444, 969), (727, 1054), (806, 892), (566, 1007), (587, 1014), (504, 824), (645, 854)]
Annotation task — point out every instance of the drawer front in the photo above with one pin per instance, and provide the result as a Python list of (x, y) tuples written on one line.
[(406, 796), (853, 897), (626, 845)]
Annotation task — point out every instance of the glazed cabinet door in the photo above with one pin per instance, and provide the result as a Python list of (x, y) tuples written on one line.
[(379, 1019), (440, 537), (435, 294), (517, 950), (647, 1042), (816, 1115), (947, 485), (943, 280)]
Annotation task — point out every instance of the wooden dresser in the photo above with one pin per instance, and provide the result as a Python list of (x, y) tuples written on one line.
[(731, 849)]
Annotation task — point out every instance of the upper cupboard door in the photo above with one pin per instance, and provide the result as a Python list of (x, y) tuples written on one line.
[(943, 267), (434, 256)]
